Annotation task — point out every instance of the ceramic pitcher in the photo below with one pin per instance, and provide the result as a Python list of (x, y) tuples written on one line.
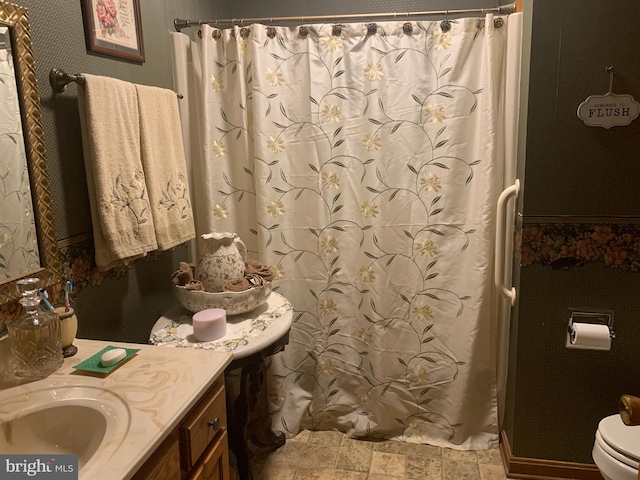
[(222, 259)]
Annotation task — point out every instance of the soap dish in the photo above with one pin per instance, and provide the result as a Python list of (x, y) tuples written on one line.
[(93, 364)]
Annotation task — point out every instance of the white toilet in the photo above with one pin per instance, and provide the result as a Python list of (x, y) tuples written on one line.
[(616, 450)]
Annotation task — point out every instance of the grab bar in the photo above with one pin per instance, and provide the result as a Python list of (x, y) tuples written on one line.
[(501, 233)]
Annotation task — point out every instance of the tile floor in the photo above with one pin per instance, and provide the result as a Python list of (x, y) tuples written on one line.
[(334, 456)]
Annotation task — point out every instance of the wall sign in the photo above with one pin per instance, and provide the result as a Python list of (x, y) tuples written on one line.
[(608, 110)]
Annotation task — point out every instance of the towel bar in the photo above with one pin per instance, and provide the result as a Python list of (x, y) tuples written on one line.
[(59, 79)]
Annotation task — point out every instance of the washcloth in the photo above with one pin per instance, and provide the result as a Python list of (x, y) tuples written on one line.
[(239, 284), (195, 285), (120, 213), (255, 280), (165, 168), (185, 274), (257, 268)]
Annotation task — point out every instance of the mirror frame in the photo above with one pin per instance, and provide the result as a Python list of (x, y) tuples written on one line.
[(17, 19)]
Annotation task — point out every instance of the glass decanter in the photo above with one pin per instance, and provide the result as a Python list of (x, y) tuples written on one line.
[(35, 337)]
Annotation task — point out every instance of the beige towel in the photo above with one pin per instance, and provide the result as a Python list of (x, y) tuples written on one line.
[(120, 213), (165, 168)]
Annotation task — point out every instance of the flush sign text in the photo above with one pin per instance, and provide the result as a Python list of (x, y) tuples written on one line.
[(608, 110)]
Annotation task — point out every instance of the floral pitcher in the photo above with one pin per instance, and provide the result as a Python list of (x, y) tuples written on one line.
[(222, 259)]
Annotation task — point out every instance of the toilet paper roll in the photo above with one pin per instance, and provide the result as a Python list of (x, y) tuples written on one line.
[(630, 410), (590, 336)]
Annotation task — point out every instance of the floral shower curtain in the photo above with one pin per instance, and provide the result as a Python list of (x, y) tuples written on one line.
[(362, 163)]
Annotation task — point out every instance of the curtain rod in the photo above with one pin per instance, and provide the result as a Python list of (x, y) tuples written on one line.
[(179, 24)]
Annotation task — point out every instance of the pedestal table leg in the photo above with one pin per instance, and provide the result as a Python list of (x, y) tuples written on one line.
[(251, 420)]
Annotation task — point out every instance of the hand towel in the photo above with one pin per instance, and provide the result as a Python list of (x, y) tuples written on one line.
[(120, 213), (165, 168)]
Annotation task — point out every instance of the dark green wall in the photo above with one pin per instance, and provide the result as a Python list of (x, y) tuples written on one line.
[(575, 174), (572, 169), (561, 394), (126, 308)]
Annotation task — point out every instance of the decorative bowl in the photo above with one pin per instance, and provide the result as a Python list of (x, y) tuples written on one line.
[(233, 302)]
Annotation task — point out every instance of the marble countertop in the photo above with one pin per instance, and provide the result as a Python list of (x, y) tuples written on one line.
[(158, 385)]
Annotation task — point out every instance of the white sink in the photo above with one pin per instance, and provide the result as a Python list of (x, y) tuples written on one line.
[(80, 420)]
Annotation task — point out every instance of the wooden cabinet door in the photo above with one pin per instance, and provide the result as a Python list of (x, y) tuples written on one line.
[(164, 464)]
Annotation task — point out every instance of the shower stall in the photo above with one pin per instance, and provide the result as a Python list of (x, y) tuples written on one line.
[(363, 159)]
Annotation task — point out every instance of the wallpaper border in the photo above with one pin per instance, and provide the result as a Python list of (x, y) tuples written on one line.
[(568, 244), (78, 266)]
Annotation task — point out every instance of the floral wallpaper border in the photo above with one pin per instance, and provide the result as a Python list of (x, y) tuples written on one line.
[(78, 266), (566, 245)]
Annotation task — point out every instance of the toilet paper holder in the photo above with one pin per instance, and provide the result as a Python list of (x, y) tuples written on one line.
[(597, 317)]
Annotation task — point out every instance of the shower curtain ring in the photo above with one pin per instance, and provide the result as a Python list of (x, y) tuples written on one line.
[(445, 25)]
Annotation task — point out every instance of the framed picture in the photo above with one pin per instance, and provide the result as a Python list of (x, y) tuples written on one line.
[(114, 28)]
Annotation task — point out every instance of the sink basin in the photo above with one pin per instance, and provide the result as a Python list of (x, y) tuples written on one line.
[(90, 422)]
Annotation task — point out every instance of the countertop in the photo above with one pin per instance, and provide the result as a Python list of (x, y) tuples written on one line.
[(158, 385)]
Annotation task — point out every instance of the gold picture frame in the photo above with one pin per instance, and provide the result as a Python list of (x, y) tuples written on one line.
[(16, 18)]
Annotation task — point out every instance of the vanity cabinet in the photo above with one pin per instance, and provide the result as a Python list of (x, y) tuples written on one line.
[(197, 449)]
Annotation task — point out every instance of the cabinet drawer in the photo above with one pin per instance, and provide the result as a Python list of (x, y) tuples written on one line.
[(215, 462), (207, 420)]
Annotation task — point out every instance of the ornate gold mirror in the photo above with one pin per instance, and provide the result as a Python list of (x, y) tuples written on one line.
[(27, 236)]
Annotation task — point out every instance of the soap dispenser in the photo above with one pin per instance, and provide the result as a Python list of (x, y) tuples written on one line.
[(35, 337)]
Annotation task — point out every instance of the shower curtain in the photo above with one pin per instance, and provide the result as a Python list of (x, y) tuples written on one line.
[(362, 162)]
